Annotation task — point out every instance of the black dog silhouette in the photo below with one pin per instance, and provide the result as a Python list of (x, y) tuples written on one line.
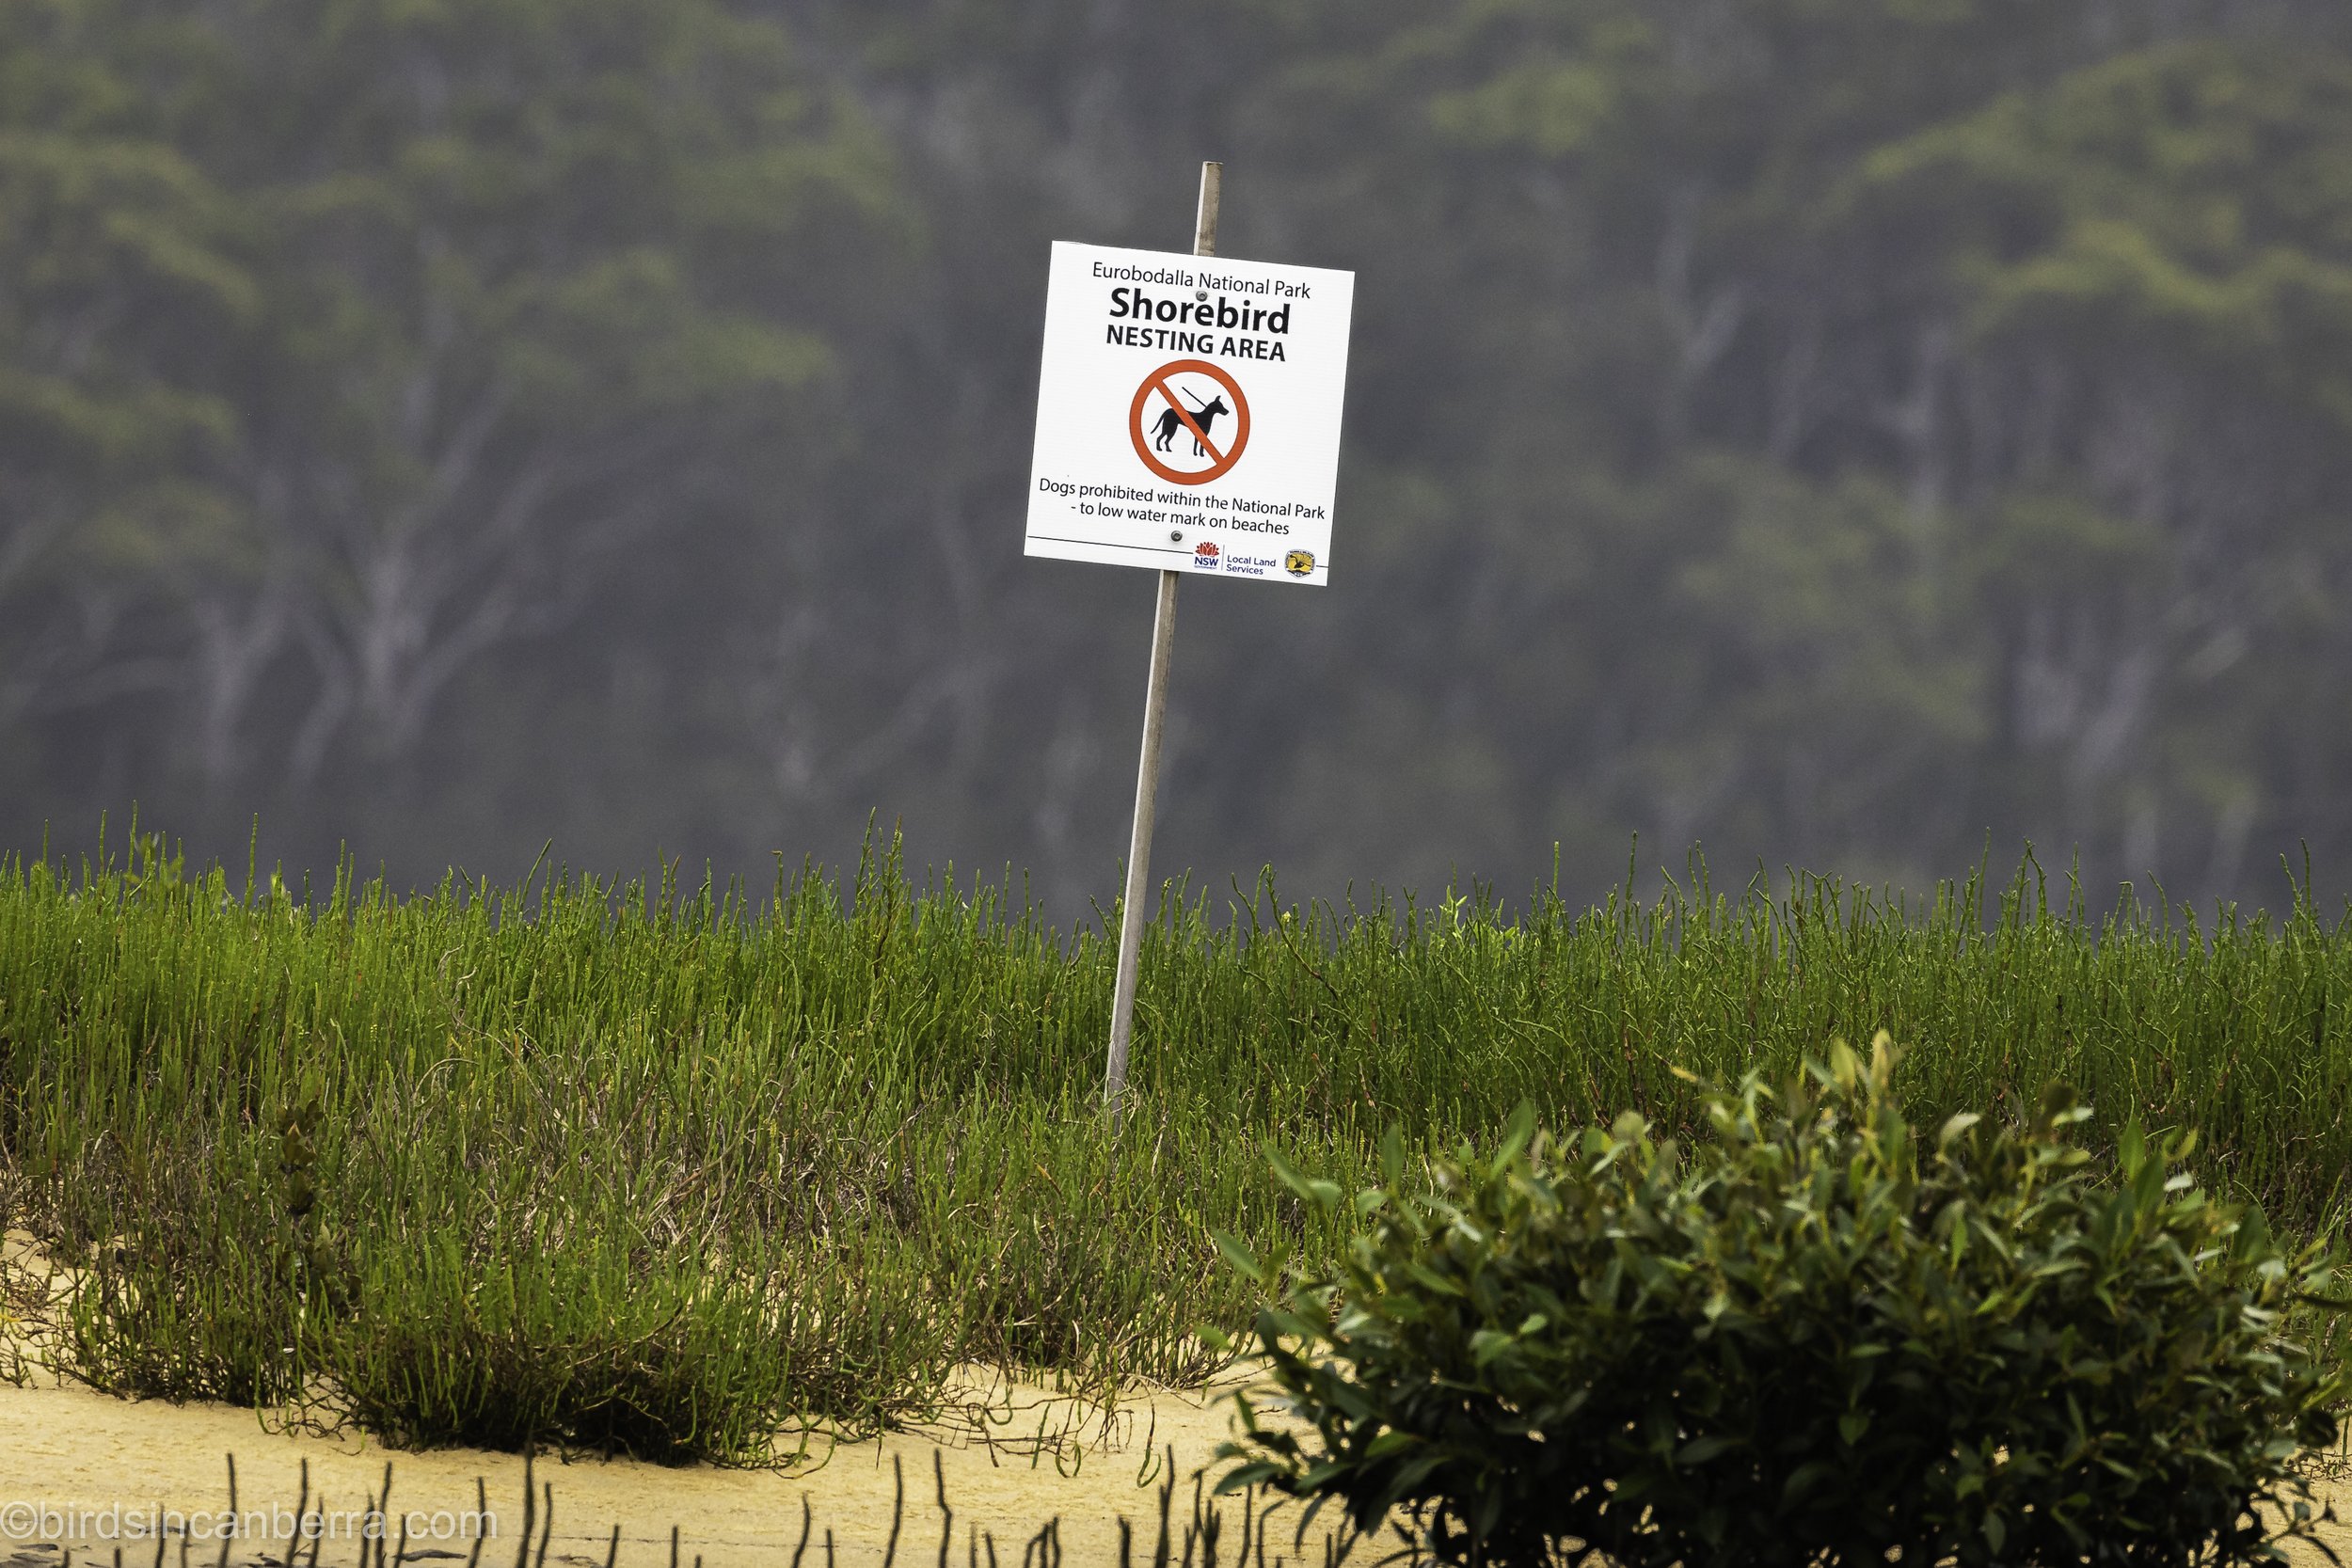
[(1170, 422)]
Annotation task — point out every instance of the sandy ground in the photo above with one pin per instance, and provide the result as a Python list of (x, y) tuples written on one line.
[(79, 1455), (84, 1474)]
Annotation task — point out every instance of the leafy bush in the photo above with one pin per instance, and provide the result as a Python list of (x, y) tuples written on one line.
[(1812, 1341)]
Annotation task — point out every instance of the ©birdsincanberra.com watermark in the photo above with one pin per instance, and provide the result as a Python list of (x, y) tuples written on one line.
[(28, 1520)]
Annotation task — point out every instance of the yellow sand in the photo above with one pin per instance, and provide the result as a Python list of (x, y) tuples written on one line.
[(84, 1470), (71, 1449), (77, 1452), (81, 1461)]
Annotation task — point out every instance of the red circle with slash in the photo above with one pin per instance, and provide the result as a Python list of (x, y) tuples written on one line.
[(1163, 430)]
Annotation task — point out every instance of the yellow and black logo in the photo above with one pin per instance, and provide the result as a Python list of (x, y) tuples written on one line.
[(1299, 564)]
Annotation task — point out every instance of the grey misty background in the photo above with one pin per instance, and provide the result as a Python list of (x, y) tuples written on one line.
[(1838, 435)]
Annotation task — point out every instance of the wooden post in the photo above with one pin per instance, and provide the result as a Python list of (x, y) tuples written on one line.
[(1148, 768)]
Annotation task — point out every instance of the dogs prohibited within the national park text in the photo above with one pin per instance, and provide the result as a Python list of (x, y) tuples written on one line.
[(1188, 413)]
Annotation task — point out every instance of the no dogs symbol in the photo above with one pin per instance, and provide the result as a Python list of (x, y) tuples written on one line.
[(1179, 426)]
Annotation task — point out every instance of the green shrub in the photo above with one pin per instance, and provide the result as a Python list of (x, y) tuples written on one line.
[(1811, 1341)]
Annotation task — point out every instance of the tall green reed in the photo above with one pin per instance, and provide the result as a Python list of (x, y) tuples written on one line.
[(692, 1169)]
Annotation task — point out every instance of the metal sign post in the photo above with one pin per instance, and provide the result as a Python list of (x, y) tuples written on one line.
[(1148, 766), (1187, 422)]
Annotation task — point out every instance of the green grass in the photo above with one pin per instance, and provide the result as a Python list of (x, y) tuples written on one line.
[(689, 1171)]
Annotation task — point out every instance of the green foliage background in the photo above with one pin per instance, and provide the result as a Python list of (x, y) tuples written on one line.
[(1835, 431)]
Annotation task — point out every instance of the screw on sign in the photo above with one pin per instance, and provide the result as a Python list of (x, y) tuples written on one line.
[(1174, 421)]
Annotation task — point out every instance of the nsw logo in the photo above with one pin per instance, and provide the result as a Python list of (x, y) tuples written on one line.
[(1205, 554)]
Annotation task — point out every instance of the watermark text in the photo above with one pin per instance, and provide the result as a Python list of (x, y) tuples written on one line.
[(24, 1520)]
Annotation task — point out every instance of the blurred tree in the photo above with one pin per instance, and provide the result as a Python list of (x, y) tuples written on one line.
[(2034, 300), (122, 266), (2150, 264), (502, 304), (1831, 429)]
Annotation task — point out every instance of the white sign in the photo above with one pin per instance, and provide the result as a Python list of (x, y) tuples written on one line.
[(1189, 413)]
